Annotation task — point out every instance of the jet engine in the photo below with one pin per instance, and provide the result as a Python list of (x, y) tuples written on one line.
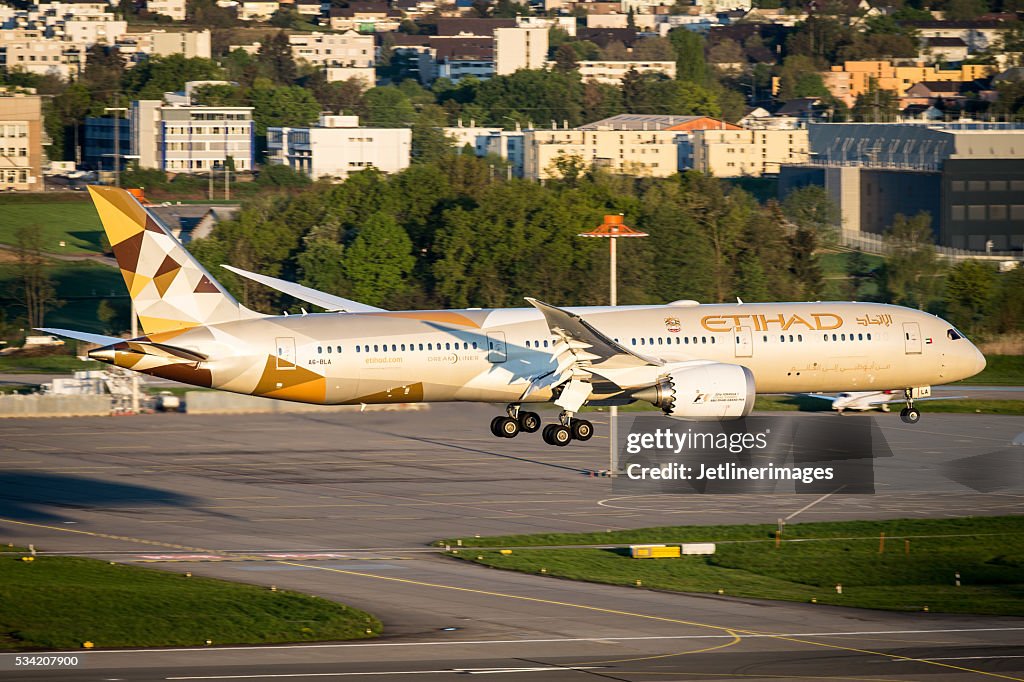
[(713, 391)]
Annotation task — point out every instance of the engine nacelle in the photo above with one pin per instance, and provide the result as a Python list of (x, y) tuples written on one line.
[(709, 392)]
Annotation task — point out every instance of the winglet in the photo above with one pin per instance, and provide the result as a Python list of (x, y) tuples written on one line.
[(318, 298)]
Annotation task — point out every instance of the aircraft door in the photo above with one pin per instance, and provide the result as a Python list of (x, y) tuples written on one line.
[(496, 351), (912, 337), (285, 352), (744, 342)]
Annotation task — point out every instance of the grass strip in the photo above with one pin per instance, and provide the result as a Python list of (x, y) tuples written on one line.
[(62, 602), (917, 568)]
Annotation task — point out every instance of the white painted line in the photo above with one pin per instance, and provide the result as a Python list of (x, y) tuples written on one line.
[(969, 658), (808, 506), (595, 639), (469, 671)]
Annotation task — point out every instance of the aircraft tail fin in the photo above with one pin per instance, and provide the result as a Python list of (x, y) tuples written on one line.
[(171, 290)]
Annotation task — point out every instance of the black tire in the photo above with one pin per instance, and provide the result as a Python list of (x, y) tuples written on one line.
[(495, 427), (546, 434), (509, 427), (560, 435), (911, 415), (529, 422), (582, 430)]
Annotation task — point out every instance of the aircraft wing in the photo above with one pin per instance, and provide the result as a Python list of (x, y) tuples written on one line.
[(581, 336), (921, 400), (830, 398), (582, 351), (320, 299)]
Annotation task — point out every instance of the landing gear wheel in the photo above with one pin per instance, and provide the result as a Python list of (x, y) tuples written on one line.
[(496, 426), (529, 422), (557, 435), (546, 434), (508, 427), (582, 429), (911, 415)]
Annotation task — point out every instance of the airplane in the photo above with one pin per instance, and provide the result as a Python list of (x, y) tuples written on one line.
[(860, 401), (695, 361)]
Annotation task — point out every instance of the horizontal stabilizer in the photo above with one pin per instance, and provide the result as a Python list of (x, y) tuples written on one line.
[(318, 298), (143, 345), (98, 339)]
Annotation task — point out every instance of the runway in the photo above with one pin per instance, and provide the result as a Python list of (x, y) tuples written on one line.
[(344, 506)]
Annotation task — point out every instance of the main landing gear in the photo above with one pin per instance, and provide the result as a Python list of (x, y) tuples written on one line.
[(910, 414), (567, 429)]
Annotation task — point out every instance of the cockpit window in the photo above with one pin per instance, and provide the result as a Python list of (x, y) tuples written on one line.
[(954, 335)]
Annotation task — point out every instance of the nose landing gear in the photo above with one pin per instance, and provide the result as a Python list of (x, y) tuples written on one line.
[(910, 414), (561, 434)]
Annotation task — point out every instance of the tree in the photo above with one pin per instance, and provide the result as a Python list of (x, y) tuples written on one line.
[(106, 314), (565, 58), (805, 266), (910, 274), (320, 265), (970, 293), (689, 52), (799, 77), (654, 49), (275, 60), (36, 292), (965, 10), (154, 76), (378, 261), (284, 105), (387, 107), (811, 208)]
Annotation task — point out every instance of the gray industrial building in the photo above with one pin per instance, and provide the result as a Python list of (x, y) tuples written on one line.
[(969, 177)]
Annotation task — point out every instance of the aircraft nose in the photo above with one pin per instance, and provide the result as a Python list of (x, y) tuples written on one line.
[(979, 361)]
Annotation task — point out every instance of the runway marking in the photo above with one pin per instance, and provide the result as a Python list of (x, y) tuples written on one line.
[(808, 506), (487, 642), (969, 658), (598, 609), (465, 671), (107, 536), (735, 640)]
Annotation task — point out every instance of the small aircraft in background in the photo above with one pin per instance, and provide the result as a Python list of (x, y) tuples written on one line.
[(861, 401)]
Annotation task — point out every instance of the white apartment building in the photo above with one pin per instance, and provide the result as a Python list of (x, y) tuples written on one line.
[(175, 9), (21, 147), (337, 147), (191, 139), (645, 153), (519, 48), (257, 10), (343, 55), (733, 153), (612, 72), (29, 50), (161, 43), (94, 28)]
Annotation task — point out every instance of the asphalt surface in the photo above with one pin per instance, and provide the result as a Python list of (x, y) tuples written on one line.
[(345, 506)]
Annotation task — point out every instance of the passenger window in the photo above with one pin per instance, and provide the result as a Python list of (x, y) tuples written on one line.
[(474, 345), (632, 342), (319, 349), (545, 343), (869, 336), (447, 346), (799, 337), (642, 341), (687, 341), (703, 339), (791, 338), (328, 349), (782, 338), (339, 349), (376, 348)]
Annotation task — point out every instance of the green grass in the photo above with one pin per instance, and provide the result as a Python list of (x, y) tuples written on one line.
[(76, 223), (81, 285), (45, 364), (1007, 370), (988, 552), (793, 403), (61, 602)]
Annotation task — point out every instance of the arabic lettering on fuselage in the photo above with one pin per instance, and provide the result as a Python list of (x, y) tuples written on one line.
[(880, 319), (763, 323)]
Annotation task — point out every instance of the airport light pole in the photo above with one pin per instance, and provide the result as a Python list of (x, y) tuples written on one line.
[(613, 228)]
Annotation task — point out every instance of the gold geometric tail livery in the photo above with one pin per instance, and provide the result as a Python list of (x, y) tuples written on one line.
[(699, 362), (170, 288)]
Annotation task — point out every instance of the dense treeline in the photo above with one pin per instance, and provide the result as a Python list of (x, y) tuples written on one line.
[(452, 233), (455, 234)]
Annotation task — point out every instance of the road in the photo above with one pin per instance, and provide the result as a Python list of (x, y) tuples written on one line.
[(345, 506)]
